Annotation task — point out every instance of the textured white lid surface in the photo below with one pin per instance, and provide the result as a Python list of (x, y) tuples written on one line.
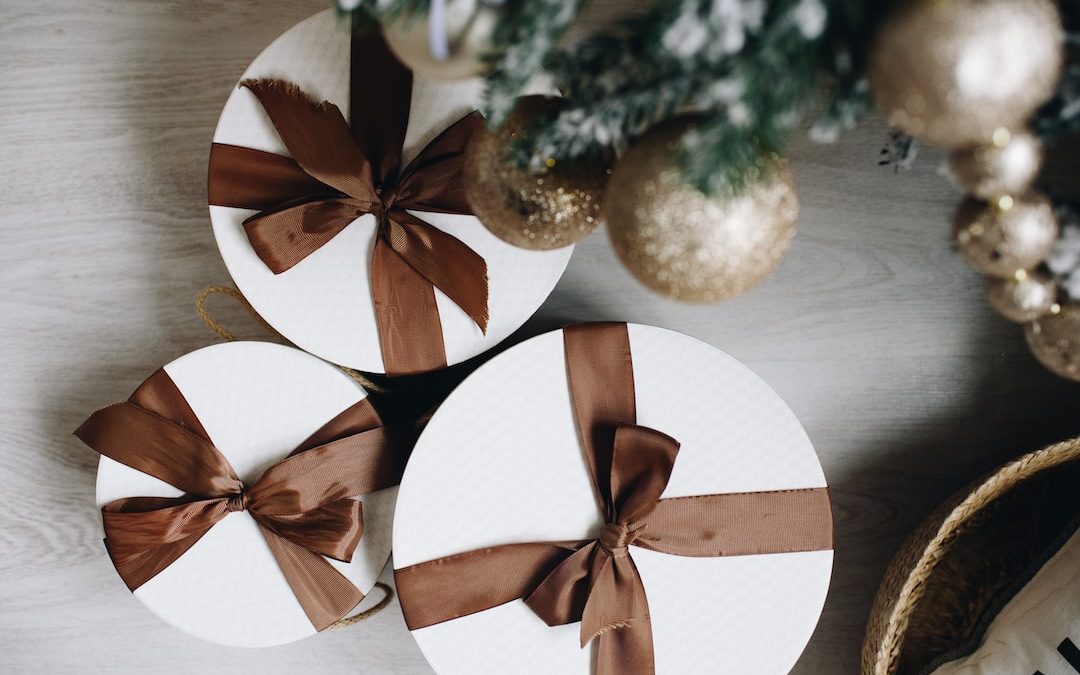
[(500, 462), (323, 304), (257, 401)]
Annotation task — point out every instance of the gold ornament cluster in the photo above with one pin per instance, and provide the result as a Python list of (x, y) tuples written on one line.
[(677, 241), (966, 75)]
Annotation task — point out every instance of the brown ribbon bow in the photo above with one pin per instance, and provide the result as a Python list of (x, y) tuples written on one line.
[(303, 504), (595, 581), (339, 172)]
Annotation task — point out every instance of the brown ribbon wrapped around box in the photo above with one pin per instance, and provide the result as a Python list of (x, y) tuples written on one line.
[(339, 172), (303, 504), (595, 581)]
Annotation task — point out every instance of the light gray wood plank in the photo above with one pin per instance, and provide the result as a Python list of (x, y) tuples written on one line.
[(873, 330)]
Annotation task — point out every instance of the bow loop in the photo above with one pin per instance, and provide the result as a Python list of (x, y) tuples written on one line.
[(641, 463), (316, 135), (333, 530), (434, 180)]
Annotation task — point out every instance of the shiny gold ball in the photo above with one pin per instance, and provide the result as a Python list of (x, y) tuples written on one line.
[(538, 211), (1023, 298), (1007, 235), (1007, 166), (470, 26), (1054, 339), (688, 245), (952, 72)]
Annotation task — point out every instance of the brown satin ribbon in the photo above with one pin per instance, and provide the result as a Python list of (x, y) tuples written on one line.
[(595, 581), (339, 172), (303, 504)]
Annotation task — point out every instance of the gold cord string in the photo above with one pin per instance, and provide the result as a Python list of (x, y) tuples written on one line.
[(225, 334), (388, 595)]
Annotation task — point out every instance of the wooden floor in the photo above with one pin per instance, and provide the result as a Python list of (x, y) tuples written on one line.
[(873, 329)]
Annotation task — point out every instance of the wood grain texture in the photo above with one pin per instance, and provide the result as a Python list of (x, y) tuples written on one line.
[(873, 330)]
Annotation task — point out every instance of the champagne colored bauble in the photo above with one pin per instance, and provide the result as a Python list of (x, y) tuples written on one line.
[(1007, 166), (539, 211), (470, 25), (952, 72), (1054, 339), (687, 245), (1005, 236), (1023, 298)]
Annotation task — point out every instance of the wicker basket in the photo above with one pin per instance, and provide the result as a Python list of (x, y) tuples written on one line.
[(975, 546)]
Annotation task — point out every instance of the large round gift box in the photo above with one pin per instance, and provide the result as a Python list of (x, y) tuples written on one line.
[(257, 402), (502, 462), (324, 303)]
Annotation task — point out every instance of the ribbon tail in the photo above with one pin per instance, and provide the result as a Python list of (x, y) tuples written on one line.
[(410, 330), (445, 261), (324, 593), (563, 594), (617, 618)]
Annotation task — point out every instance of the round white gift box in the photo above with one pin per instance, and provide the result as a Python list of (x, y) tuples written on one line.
[(257, 401), (324, 303), (501, 462)]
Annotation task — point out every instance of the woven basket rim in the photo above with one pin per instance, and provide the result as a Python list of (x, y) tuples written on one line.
[(904, 582)]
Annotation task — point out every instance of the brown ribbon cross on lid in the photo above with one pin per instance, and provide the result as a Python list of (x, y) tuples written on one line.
[(339, 172), (303, 504), (595, 581)]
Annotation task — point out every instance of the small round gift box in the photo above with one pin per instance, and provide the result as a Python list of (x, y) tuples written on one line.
[(247, 492), (336, 197), (613, 498)]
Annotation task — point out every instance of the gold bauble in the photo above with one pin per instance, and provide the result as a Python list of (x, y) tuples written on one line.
[(1025, 297), (540, 211), (1005, 167), (688, 245), (1054, 339), (1007, 235), (470, 25), (952, 72)]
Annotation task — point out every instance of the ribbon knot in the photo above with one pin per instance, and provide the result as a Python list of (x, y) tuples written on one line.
[(615, 537), (237, 502)]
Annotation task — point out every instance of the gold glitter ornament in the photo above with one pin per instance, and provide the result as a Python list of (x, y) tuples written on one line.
[(1007, 166), (470, 25), (952, 72), (1054, 339), (688, 245), (538, 211), (1007, 235), (1023, 298)]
